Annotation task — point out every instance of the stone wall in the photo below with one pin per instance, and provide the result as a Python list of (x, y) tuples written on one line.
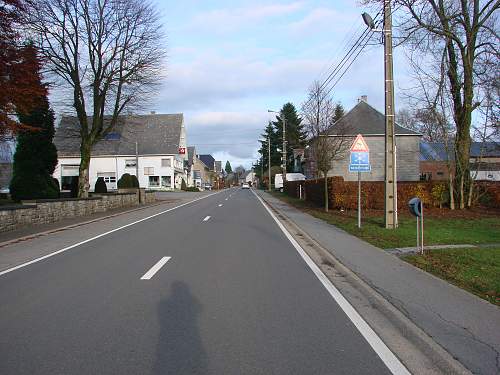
[(50, 210)]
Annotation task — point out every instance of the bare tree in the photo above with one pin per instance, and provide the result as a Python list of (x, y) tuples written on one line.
[(328, 143), (107, 52), (464, 32)]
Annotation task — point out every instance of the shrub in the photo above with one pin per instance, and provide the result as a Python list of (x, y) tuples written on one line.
[(74, 187), (192, 188), (100, 186), (439, 193), (126, 182), (135, 181), (183, 185)]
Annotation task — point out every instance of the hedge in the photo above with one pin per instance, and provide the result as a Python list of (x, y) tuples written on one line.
[(344, 194)]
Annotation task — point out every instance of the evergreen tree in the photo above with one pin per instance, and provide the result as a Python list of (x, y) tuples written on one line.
[(295, 133), (339, 112), (36, 156), (228, 168), (269, 133)]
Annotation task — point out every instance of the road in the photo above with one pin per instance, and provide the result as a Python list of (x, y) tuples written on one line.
[(231, 295)]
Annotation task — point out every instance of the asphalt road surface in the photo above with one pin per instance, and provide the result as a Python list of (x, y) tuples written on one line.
[(213, 287)]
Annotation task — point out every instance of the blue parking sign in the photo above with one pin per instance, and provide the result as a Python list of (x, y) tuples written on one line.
[(360, 158)]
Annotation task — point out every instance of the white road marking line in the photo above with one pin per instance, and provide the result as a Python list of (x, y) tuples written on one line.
[(207, 218), (101, 235), (226, 199), (148, 275), (386, 355), (220, 205)]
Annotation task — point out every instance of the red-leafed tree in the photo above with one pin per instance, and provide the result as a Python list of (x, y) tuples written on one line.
[(19, 77)]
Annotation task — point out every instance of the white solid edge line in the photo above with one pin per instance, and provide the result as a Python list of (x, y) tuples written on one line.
[(207, 218), (101, 235), (148, 275), (385, 354)]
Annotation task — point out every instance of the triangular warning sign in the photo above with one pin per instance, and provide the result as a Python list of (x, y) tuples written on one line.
[(359, 144)]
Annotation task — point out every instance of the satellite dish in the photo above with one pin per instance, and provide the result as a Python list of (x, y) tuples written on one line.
[(368, 20)]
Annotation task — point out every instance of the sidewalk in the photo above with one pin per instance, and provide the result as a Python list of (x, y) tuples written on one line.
[(466, 326)]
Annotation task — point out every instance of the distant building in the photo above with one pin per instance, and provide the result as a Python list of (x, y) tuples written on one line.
[(208, 160), (159, 157), (365, 120), (438, 158), (199, 173)]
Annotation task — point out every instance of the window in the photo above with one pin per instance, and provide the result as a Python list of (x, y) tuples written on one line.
[(166, 181), (440, 173), (154, 181), (148, 171), (109, 177), (166, 162), (130, 163), (112, 137)]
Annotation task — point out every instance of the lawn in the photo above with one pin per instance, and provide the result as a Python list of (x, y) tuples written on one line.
[(442, 227), (476, 270)]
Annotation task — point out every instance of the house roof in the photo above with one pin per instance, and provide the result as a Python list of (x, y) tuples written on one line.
[(208, 160), (436, 151), (155, 134), (485, 149), (366, 120)]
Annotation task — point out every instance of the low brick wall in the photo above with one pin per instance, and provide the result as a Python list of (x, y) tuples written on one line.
[(51, 210)]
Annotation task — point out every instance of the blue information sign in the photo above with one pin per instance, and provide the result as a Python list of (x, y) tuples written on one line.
[(360, 162)]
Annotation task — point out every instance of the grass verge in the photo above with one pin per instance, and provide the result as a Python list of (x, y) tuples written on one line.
[(476, 270), (439, 229)]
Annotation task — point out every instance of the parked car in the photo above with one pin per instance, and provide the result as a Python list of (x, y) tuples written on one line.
[(208, 186), (245, 186)]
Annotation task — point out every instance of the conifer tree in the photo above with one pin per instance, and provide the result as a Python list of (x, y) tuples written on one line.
[(295, 133), (228, 168), (36, 156)]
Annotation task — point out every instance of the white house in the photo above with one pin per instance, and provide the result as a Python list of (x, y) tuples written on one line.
[(153, 147)]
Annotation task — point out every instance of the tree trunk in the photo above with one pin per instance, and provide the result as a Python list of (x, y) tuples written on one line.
[(83, 177), (461, 192), (326, 192), (471, 194), (452, 193)]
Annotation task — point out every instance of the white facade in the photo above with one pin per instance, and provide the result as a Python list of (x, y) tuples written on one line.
[(161, 172)]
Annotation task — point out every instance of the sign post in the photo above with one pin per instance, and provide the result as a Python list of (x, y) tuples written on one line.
[(360, 162)]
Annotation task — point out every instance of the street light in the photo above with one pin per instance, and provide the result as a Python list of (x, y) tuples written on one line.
[(282, 114), (391, 190)]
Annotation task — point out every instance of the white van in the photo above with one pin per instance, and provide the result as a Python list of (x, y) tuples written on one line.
[(278, 179)]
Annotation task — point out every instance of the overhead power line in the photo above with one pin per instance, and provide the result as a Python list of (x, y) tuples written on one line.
[(348, 59)]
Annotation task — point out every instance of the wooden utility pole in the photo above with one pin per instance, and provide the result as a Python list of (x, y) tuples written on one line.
[(391, 204), (284, 146)]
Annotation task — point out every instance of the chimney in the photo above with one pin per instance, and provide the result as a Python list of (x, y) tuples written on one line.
[(363, 98)]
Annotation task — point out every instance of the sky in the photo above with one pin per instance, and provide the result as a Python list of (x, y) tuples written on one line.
[(228, 62)]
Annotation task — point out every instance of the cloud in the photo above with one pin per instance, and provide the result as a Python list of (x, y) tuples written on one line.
[(229, 20), (231, 135), (321, 19), (216, 81)]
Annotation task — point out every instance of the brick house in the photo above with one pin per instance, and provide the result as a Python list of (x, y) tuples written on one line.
[(436, 156)]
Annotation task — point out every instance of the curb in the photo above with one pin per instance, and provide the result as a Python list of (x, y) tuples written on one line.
[(439, 357), (76, 225)]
